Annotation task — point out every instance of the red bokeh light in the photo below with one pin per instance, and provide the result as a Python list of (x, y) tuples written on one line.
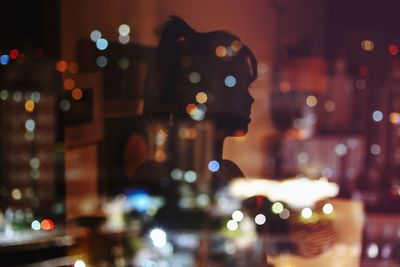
[(47, 225), (393, 49), (14, 54)]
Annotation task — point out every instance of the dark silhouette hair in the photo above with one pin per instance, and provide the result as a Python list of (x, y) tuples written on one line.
[(183, 51)]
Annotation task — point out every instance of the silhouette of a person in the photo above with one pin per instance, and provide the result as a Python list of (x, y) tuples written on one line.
[(213, 68), (201, 76)]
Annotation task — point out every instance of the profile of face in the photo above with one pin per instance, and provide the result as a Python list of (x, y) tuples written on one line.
[(206, 76)]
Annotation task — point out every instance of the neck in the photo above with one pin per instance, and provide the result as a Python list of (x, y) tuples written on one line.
[(219, 146)]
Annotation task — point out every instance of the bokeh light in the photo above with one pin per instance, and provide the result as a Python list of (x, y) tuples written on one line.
[(102, 44), (158, 237), (372, 251), (177, 174), (77, 93), (394, 117), (124, 39), (30, 125), (61, 66), (4, 59), (73, 68), (306, 213), (277, 207), (191, 108), (341, 149), (190, 176), (213, 166), (236, 45), (95, 35), (16, 194), (329, 106), (65, 105), (284, 86), (311, 101), (327, 208), (194, 77), (367, 45), (124, 29), (79, 263), (14, 54), (101, 61), (35, 225), (201, 97), (260, 219), (232, 225), (230, 81), (375, 149), (4, 95), (377, 115), (47, 225), (29, 105), (393, 49), (237, 216), (124, 63), (220, 51), (69, 84), (285, 214)]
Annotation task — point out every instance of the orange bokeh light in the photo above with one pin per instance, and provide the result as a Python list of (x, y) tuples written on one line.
[(61, 66), (77, 93), (73, 68), (69, 84), (220, 51), (190, 108), (29, 105), (47, 225)]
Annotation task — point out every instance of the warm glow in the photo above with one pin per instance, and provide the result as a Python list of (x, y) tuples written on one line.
[(236, 45), (394, 117), (220, 51), (311, 101), (284, 86), (61, 66), (327, 208), (201, 97), (73, 68), (69, 84), (29, 105), (367, 45), (191, 108), (77, 93), (297, 193), (47, 225), (306, 213)]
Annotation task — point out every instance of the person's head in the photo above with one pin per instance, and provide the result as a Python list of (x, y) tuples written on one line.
[(206, 76)]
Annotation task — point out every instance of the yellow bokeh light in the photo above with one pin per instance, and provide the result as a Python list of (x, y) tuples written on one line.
[(367, 45), (311, 101), (29, 105), (77, 93), (220, 51), (394, 117), (201, 97), (236, 45)]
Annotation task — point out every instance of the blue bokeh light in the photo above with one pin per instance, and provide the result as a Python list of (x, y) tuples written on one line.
[(213, 166), (230, 81), (101, 44), (4, 59)]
